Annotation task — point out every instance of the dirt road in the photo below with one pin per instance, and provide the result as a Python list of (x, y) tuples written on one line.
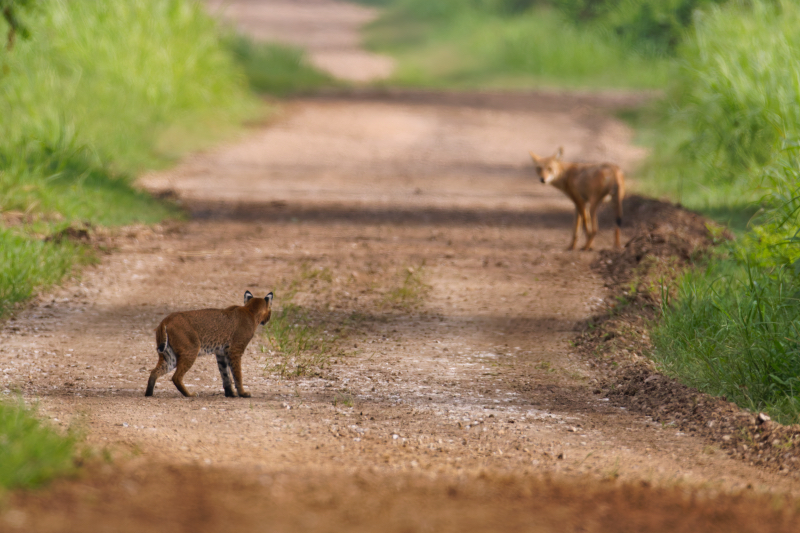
[(409, 226)]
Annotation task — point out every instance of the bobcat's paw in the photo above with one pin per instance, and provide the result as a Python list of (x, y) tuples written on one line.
[(244, 394)]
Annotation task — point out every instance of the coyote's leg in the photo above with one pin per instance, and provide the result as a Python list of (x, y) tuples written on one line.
[(575, 229), (618, 197), (590, 235), (580, 218), (224, 366), (236, 366)]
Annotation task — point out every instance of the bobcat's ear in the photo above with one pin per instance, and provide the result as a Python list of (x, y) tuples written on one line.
[(534, 157), (247, 296), (268, 298), (560, 152)]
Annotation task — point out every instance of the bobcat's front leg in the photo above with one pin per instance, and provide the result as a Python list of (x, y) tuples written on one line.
[(236, 366)]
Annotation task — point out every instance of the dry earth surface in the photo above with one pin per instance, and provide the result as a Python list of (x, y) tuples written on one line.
[(408, 227)]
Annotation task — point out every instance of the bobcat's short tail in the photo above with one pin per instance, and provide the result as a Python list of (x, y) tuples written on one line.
[(162, 338)]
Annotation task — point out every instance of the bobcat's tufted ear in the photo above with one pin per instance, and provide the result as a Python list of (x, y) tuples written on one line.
[(268, 298), (247, 296), (534, 157), (560, 152)]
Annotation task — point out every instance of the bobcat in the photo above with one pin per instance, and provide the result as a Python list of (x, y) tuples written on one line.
[(224, 332), (584, 184)]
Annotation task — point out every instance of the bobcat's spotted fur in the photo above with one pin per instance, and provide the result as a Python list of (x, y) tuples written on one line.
[(181, 337)]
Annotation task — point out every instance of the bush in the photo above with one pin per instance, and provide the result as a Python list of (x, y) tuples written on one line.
[(655, 27)]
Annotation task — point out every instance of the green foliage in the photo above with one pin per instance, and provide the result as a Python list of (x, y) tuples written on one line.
[(735, 101), (468, 45), (301, 345), (10, 14), (27, 263), (276, 69), (31, 453), (733, 332), (117, 74), (64, 182), (411, 290), (655, 27), (735, 124), (88, 100), (742, 96)]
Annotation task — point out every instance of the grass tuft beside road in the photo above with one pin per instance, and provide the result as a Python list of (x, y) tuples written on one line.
[(277, 69), (31, 452)]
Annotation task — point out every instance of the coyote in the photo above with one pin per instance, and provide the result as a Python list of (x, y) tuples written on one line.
[(224, 332), (584, 184)]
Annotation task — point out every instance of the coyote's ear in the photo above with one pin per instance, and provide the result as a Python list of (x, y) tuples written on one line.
[(268, 298), (560, 152), (534, 157), (247, 296)]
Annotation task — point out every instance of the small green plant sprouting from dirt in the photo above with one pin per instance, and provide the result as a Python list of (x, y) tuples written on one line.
[(301, 344), (344, 399), (411, 290)]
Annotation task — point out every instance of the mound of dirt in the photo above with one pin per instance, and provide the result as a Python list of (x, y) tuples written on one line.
[(666, 240)]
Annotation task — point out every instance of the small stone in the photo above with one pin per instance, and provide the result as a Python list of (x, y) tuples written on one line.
[(726, 438), (761, 418)]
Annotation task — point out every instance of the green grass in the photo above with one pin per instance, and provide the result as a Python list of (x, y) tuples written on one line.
[(277, 69), (734, 104), (117, 74), (27, 264), (466, 47), (411, 289), (732, 328), (733, 332), (95, 94), (300, 345), (31, 453)]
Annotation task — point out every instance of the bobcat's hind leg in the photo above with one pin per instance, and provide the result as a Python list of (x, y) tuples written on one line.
[(185, 361), (167, 361), (161, 368), (236, 366), (224, 365)]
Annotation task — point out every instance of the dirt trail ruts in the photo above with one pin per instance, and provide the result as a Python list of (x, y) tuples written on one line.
[(467, 412)]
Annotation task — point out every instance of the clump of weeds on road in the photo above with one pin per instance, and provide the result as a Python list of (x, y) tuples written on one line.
[(301, 345), (411, 289)]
